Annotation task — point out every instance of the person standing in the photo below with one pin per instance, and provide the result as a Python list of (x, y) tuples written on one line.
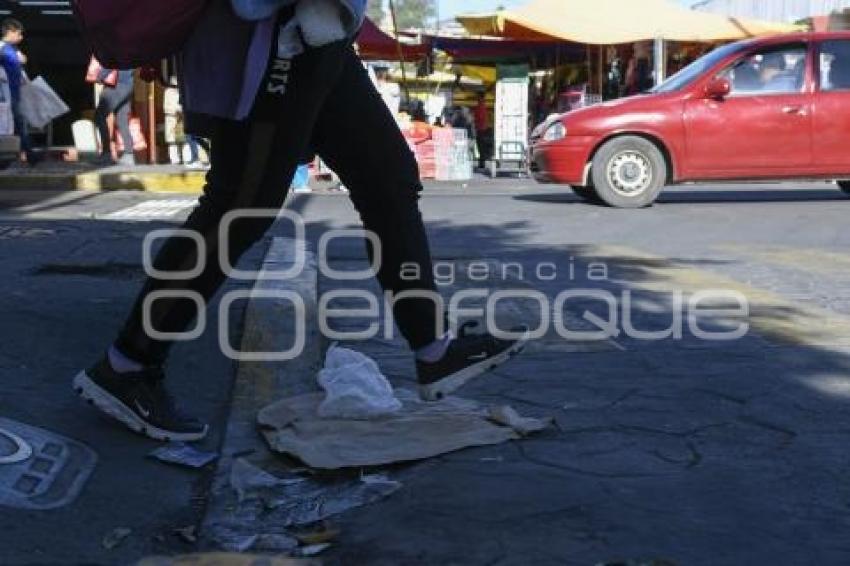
[(483, 131), (272, 86), (175, 130), (390, 91), (115, 100), (13, 61)]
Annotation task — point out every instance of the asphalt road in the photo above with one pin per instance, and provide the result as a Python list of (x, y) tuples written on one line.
[(71, 266)]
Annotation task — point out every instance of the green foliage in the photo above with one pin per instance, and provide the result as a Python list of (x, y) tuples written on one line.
[(375, 11), (415, 13)]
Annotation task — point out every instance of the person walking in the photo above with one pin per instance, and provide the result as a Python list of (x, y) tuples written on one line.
[(13, 61), (271, 82), (195, 144), (115, 100)]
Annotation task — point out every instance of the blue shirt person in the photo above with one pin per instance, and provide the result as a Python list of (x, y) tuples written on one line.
[(13, 62)]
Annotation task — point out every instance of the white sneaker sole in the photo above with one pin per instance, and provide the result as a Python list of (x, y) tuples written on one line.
[(441, 389), (108, 404)]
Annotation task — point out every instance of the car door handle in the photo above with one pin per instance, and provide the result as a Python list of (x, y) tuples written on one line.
[(794, 110)]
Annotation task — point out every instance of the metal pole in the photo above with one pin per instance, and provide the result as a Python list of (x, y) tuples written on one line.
[(400, 51), (660, 58), (600, 72), (151, 122)]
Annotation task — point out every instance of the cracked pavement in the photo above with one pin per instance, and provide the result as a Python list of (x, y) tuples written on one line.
[(691, 451), (684, 450)]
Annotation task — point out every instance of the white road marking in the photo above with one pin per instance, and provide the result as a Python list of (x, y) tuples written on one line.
[(153, 210)]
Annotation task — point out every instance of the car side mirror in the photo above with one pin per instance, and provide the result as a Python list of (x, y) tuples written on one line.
[(718, 89)]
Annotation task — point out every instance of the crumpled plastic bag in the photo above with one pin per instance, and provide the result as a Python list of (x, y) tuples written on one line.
[(354, 387)]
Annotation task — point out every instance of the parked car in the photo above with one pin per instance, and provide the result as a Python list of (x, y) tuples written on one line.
[(763, 109)]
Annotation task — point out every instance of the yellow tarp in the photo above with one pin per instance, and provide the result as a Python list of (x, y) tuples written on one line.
[(611, 22)]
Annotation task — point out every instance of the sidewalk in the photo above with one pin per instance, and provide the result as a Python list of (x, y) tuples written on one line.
[(70, 176)]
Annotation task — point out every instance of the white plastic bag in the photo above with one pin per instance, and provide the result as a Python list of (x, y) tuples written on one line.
[(354, 387), (40, 105)]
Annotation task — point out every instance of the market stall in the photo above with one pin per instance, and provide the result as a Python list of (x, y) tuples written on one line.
[(616, 22), (611, 22), (375, 44)]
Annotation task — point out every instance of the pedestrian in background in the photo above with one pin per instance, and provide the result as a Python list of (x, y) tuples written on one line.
[(115, 99), (175, 130), (13, 61), (483, 131), (195, 145)]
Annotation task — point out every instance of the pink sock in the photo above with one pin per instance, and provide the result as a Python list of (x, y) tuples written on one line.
[(121, 363), (435, 351)]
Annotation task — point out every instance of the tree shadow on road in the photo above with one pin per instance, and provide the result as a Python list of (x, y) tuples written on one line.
[(694, 450)]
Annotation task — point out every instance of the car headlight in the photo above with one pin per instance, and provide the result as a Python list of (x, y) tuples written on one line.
[(555, 132)]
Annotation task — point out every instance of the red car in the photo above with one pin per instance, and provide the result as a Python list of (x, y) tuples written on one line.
[(764, 109)]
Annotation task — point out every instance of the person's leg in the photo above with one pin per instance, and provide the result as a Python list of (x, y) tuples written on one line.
[(101, 115), (253, 162), (358, 138), (194, 152), (22, 131), (124, 96), (203, 143)]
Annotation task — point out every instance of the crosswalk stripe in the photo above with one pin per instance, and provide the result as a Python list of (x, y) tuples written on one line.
[(152, 210)]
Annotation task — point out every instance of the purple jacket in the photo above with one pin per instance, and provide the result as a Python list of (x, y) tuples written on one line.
[(223, 63)]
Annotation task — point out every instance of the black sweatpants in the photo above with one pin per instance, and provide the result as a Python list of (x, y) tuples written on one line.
[(322, 100)]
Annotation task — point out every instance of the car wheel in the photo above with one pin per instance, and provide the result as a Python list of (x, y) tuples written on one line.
[(629, 172), (844, 186), (587, 194)]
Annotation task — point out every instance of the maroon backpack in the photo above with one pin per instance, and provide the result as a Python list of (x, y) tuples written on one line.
[(125, 34)]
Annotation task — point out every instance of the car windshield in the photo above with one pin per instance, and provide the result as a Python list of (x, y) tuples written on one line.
[(695, 70)]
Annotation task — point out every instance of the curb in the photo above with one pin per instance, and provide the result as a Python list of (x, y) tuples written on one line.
[(269, 325), (158, 182)]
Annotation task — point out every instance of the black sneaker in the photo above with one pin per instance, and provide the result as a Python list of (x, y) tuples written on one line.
[(468, 356), (139, 400)]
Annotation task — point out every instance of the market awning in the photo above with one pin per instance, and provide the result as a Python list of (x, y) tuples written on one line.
[(375, 44), (442, 78), (611, 22), (488, 51)]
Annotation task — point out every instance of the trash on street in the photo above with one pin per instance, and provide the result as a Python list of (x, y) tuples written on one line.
[(187, 534), (354, 387), (420, 430), (115, 537), (183, 455), (303, 501)]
